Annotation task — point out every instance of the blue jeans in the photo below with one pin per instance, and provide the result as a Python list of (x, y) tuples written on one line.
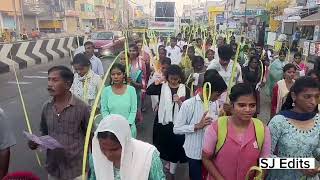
[(195, 171)]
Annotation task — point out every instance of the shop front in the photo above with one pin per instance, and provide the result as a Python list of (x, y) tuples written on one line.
[(310, 26), (51, 26)]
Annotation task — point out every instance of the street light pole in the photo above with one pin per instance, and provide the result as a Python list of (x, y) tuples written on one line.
[(245, 17), (16, 18)]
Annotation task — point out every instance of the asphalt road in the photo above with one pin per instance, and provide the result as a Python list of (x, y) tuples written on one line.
[(33, 82)]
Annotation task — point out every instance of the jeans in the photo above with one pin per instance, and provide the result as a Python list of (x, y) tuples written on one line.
[(195, 171)]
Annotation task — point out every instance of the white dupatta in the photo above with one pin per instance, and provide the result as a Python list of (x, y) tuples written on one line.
[(166, 104), (136, 156)]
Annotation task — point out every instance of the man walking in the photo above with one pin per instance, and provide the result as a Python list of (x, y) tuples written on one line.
[(65, 118)]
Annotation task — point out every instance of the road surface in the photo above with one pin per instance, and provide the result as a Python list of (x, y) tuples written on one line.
[(33, 82)]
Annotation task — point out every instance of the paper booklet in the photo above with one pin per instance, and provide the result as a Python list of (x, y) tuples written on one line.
[(45, 142)]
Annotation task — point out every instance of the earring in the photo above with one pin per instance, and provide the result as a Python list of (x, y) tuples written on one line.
[(293, 104)]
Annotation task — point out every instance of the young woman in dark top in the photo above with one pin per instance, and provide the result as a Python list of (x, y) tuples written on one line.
[(251, 74), (172, 93)]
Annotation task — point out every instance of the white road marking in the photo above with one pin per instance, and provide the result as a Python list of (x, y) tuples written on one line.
[(21, 82), (36, 77)]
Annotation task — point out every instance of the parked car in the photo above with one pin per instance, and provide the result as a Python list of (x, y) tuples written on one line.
[(108, 43)]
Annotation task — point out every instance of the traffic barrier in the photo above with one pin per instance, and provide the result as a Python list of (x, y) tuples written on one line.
[(28, 53)]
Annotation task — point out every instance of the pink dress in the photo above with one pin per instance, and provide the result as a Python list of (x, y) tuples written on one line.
[(239, 153)]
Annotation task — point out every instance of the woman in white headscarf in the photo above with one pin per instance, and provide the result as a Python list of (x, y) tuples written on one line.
[(118, 156)]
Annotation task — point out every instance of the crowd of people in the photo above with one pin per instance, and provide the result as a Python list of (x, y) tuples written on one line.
[(206, 99)]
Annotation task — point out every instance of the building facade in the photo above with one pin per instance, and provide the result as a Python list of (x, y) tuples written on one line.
[(10, 15)]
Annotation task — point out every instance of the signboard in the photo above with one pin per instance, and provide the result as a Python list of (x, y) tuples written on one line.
[(250, 12), (316, 35), (220, 18), (312, 48), (272, 36), (72, 13), (317, 49), (50, 24), (306, 47), (161, 25)]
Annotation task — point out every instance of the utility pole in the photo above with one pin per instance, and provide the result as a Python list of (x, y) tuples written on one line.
[(16, 18), (245, 18)]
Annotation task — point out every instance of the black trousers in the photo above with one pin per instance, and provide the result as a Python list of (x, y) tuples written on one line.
[(195, 169)]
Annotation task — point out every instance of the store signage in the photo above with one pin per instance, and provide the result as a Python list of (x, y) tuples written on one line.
[(162, 25), (317, 49), (312, 48), (256, 12), (306, 47)]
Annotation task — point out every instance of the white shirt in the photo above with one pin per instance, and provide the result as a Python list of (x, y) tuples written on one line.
[(181, 44), (190, 113), (78, 87), (96, 65), (226, 73), (216, 54), (174, 54)]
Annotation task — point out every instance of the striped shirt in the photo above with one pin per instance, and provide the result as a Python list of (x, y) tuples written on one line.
[(96, 65), (68, 128), (190, 113)]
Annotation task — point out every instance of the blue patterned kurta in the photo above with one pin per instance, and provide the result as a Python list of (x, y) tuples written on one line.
[(291, 142)]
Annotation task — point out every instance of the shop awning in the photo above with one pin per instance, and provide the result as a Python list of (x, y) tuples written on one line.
[(311, 20)]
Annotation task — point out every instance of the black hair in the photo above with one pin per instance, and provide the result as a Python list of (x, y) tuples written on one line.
[(297, 54), (134, 46), (253, 58), (198, 39), (241, 89), (253, 49), (81, 60), (192, 48), (65, 73), (108, 135), (288, 66), (138, 41), (175, 70), (88, 43), (209, 50), (225, 52), (213, 77), (298, 87), (184, 47), (166, 61), (282, 52), (313, 71), (173, 38), (197, 59), (161, 47), (121, 67)]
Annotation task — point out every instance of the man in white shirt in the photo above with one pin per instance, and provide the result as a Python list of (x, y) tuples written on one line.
[(193, 118), (173, 51), (96, 64), (180, 41), (225, 68), (220, 42)]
